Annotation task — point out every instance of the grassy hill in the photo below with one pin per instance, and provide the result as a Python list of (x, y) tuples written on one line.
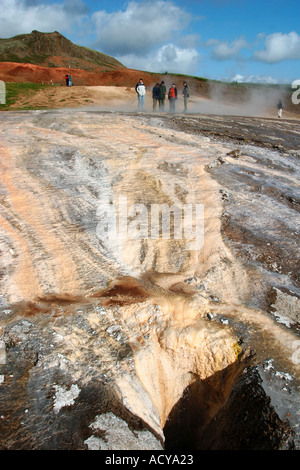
[(53, 50)]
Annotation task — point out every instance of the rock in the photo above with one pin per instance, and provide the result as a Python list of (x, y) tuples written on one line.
[(105, 338), (234, 153)]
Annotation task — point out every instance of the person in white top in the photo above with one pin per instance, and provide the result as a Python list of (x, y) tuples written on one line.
[(280, 107), (141, 91)]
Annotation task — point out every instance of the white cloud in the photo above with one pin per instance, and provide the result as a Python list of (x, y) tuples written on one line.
[(254, 79), (279, 47), (224, 50), (138, 28), (140, 37), (23, 16), (169, 57)]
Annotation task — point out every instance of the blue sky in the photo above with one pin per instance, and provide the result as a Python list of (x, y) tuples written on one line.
[(241, 40)]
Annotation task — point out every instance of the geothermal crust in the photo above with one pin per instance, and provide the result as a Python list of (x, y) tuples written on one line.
[(148, 343)]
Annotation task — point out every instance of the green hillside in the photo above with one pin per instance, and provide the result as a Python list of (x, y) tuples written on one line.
[(53, 50)]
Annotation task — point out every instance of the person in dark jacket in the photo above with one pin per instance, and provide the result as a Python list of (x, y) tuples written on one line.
[(186, 95), (162, 97), (155, 95)]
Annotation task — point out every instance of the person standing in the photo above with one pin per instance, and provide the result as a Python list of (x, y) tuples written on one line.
[(141, 91), (186, 95), (162, 97), (155, 95), (280, 107), (172, 97)]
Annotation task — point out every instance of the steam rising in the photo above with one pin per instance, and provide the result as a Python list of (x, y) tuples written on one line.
[(217, 99)]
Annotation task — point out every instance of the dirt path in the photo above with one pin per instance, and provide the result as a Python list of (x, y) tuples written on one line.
[(77, 96)]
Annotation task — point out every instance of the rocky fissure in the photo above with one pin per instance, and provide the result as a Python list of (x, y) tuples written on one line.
[(175, 347)]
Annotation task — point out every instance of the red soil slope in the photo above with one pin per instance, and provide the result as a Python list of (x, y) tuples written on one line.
[(19, 72)]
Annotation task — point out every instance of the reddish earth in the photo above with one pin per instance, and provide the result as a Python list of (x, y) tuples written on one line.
[(19, 72)]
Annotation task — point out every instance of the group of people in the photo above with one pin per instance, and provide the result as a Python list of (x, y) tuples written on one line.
[(68, 79), (159, 94)]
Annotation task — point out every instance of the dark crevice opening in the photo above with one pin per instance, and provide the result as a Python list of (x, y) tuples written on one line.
[(228, 411)]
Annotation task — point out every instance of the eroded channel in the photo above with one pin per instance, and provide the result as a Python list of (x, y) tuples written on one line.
[(176, 347)]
